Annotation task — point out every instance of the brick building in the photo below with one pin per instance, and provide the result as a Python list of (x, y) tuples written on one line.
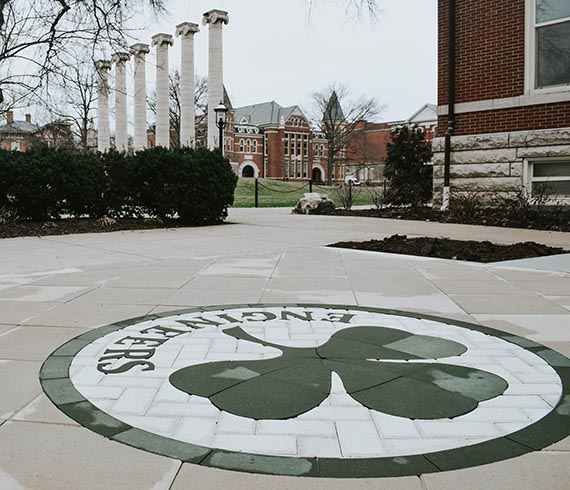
[(504, 96), (365, 159), (21, 135), (270, 141)]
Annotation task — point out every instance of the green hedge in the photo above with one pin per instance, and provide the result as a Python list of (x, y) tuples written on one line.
[(195, 186)]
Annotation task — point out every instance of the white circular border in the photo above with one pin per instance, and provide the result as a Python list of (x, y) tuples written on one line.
[(340, 427)]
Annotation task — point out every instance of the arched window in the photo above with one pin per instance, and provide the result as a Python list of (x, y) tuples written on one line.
[(248, 146), (254, 146), (322, 150), (241, 145)]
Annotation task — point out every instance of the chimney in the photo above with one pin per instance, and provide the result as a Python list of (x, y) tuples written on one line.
[(28, 118), (10, 117)]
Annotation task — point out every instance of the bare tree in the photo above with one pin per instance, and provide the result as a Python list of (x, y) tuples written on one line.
[(200, 102), (35, 37), (359, 8), (341, 119), (72, 97)]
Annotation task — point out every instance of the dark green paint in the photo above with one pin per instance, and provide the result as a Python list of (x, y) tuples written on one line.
[(300, 379)]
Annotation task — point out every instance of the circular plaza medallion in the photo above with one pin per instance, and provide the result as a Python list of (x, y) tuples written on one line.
[(313, 390)]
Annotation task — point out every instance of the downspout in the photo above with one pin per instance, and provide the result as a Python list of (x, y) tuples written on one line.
[(451, 62), (264, 154)]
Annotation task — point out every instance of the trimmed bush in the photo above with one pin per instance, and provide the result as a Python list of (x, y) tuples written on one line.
[(195, 186), (29, 181), (407, 169)]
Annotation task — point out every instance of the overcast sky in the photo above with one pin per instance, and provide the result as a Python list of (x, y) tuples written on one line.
[(273, 50)]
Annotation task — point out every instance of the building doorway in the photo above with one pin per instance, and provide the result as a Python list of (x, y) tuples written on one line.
[(248, 172), (317, 175)]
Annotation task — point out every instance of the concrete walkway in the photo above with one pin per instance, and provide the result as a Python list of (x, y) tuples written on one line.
[(53, 289)]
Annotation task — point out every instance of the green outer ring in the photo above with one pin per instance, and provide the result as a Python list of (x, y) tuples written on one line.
[(555, 426)]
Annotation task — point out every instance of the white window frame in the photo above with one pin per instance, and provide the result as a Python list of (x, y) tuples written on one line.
[(528, 178), (15, 145), (531, 54)]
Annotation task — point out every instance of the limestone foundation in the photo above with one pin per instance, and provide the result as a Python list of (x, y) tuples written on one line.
[(162, 43), (215, 19), (139, 52), (103, 135)]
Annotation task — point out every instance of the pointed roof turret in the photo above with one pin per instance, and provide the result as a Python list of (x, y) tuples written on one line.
[(227, 101), (333, 111)]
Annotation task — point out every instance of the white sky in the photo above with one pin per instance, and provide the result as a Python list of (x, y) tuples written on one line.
[(273, 50)]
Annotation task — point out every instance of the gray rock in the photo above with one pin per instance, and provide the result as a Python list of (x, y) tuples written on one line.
[(314, 203)]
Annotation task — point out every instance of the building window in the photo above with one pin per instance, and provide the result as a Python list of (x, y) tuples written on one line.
[(254, 146), (241, 146), (15, 146), (248, 146), (551, 43), (550, 180)]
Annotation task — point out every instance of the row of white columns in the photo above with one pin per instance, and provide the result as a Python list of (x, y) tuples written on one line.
[(215, 19)]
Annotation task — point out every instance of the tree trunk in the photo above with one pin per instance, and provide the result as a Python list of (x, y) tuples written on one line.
[(330, 169)]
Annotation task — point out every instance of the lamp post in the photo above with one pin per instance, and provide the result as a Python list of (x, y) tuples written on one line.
[(220, 110)]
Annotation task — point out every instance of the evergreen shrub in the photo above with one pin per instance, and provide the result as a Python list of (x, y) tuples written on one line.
[(409, 173), (195, 186)]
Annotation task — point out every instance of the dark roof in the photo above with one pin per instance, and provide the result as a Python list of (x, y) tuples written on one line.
[(333, 110), (265, 114), (19, 127), (227, 101)]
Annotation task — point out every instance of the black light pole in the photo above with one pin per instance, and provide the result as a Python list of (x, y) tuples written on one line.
[(221, 111)]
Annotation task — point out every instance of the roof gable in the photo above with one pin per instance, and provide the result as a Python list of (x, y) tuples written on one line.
[(428, 112)]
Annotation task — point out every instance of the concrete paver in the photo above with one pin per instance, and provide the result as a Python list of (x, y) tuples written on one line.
[(53, 289), (537, 470)]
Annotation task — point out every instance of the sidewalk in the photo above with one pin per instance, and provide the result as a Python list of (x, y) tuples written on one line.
[(56, 288)]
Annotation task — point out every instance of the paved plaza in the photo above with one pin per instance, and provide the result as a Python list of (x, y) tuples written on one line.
[(250, 356)]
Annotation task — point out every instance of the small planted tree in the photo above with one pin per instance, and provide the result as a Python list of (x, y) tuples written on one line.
[(407, 170)]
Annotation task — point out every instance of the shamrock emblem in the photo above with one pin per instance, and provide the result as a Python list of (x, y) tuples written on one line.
[(373, 363)]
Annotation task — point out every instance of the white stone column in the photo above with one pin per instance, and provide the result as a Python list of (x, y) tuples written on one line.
[(162, 43), (103, 133), (121, 121), (215, 19), (186, 31), (139, 52)]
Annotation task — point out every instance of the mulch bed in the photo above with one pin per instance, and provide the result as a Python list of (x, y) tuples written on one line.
[(445, 248), (80, 225), (553, 219)]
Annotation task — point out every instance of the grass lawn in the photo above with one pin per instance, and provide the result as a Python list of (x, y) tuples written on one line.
[(279, 193)]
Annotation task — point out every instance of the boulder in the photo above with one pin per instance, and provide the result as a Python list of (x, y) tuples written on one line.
[(314, 203)]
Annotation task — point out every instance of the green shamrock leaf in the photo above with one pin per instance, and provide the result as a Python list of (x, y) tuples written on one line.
[(371, 361)]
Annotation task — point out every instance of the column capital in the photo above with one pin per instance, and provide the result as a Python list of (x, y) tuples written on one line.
[(161, 38), (140, 49), (102, 65), (215, 16), (120, 57), (186, 28)]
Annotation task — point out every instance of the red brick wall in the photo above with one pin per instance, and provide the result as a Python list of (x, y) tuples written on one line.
[(545, 116), (490, 65), (490, 49), (275, 153)]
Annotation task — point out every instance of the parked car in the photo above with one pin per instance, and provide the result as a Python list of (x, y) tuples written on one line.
[(349, 179)]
